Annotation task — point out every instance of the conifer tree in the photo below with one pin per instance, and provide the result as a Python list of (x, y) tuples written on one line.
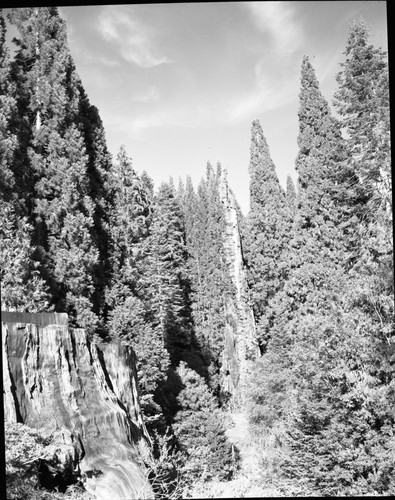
[(130, 220), (211, 284), (291, 195), (148, 184), (342, 438), (312, 259), (55, 161), (338, 425), (100, 191), (328, 196), (268, 231), (362, 100), (199, 429), (162, 272), (128, 315), (189, 204), (8, 111), (22, 288), (209, 277)]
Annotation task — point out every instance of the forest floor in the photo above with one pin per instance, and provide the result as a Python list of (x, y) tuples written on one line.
[(247, 481)]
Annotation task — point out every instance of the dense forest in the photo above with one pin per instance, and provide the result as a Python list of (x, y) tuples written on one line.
[(85, 233)]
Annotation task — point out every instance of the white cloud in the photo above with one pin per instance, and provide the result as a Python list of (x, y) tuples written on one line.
[(149, 95), (276, 84), (136, 41), (277, 68), (259, 101), (277, 19), (136, 127)]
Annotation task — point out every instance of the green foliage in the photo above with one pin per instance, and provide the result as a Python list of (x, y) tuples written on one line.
[(22, 287), (164, 466), (129, 318), (291, 194), (54, 162), (99, 186), (129, 221), (342, 436), (8, 140), (162, 274), (362, 100), (130, 218), (327, 378), (128, 323), (199, 430), (267, 234), (363, 103), (92, 238), (207, 269)]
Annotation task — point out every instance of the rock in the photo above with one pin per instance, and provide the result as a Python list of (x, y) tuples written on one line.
[(55, 378), (241, 346)]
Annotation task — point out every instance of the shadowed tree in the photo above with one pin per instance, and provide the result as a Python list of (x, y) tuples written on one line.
[(54, 167)]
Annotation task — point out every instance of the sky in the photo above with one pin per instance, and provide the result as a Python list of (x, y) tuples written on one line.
[(179, 84)]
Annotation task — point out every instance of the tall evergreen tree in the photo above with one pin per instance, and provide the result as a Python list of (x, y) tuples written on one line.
[(291, 194), (129, 317), (100, 190), (362, 100), (209, 277), (328, 197), (312, 259), (333, 353), (55, 162), (199, 430), (129, 221), (22, 288), (268, 231), (8, 112), (162, 272)]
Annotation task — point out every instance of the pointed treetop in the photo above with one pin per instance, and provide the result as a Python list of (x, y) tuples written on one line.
[(313, 105), (308, 76), (291, 192), (259, 146), (263, 177), (209, 170), (358, 36), (317, 126)]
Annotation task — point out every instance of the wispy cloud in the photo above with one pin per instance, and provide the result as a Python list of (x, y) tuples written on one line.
[(260, 100), (135, 40), (136, 127), (276, 69), (150, 95), (278, 20)]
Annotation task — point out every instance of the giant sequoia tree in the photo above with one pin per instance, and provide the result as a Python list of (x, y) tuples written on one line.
[(22, 287), (199, 430), (362, 100), (209, 276), (268, 231), (54, 166), (162, 272), (128, 317), (8, 114), (291, 195), (337, 370)]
